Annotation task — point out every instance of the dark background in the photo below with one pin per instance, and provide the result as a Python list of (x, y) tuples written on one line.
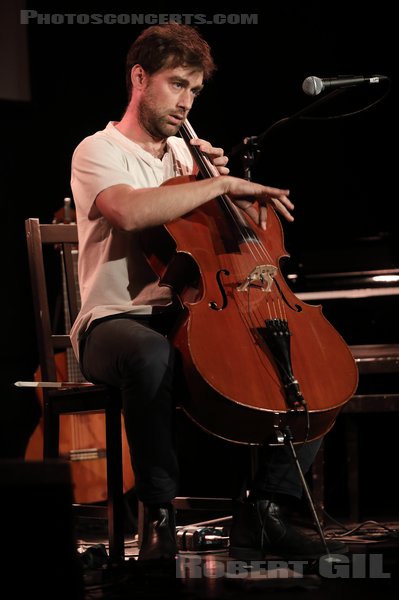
[(341, 172)]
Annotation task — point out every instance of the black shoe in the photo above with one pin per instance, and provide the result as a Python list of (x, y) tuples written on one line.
[(159, 533), (258, 528)]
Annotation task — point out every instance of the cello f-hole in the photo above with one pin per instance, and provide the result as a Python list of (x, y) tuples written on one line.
[(212, 303), (296, 307)]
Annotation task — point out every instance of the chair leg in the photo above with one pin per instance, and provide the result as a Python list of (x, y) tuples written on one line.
[(51, 431), (140, 523), (115, 482)]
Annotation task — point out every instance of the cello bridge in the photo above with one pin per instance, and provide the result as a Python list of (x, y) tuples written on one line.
[(263, 275)]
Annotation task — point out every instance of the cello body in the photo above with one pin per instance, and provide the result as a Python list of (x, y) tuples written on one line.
[(256, 359)]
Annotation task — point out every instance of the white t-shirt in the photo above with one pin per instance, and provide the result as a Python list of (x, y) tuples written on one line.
[(114, 274)]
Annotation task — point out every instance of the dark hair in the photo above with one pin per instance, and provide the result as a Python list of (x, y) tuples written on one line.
[(168, 46)]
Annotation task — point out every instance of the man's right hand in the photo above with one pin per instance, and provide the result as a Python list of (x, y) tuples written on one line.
[(253, 199)]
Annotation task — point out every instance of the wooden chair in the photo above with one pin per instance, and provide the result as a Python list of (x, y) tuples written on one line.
[(73, 398)]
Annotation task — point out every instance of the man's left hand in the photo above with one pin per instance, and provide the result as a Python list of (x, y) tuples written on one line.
[(215, 155)]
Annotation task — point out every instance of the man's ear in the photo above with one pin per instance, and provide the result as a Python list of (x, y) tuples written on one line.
[(138, 77)]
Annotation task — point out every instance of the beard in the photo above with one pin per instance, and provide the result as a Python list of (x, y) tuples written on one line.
[(156, 120)]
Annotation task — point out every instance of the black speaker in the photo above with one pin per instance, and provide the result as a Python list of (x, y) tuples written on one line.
[(37, 537)]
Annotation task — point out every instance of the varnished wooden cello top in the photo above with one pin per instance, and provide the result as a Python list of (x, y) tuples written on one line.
[(256, 357)]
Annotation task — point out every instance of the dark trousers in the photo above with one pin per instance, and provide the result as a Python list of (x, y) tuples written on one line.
[(135, 355)]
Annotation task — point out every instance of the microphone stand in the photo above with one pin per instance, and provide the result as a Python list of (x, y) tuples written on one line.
[(288, 441), (249, 147)]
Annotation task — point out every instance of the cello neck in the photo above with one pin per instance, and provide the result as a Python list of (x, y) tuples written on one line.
[(207, 170), (205, 166)]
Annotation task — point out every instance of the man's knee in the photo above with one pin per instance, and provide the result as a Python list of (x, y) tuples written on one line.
[(152, 357)]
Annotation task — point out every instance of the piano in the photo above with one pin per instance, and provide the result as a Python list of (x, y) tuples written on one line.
[(363, 306)]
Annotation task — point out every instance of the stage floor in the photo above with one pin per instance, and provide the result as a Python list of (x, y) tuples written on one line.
[(204, 570)]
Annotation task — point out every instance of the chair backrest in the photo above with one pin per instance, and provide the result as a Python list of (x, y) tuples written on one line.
[(56, 239)]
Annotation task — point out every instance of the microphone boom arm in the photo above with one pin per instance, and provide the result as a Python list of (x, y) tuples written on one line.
[(249, 147)]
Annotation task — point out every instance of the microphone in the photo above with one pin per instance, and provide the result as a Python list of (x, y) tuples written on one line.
[(313, 86)]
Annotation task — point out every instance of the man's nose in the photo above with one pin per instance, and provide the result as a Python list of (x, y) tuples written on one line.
[(185, 99)]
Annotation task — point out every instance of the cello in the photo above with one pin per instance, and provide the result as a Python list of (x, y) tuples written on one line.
[(256, 358)]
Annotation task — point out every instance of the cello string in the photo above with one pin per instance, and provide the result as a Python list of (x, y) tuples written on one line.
[(247, 233), (254, 321), (249, 237), (253, 243), (210, 170)]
